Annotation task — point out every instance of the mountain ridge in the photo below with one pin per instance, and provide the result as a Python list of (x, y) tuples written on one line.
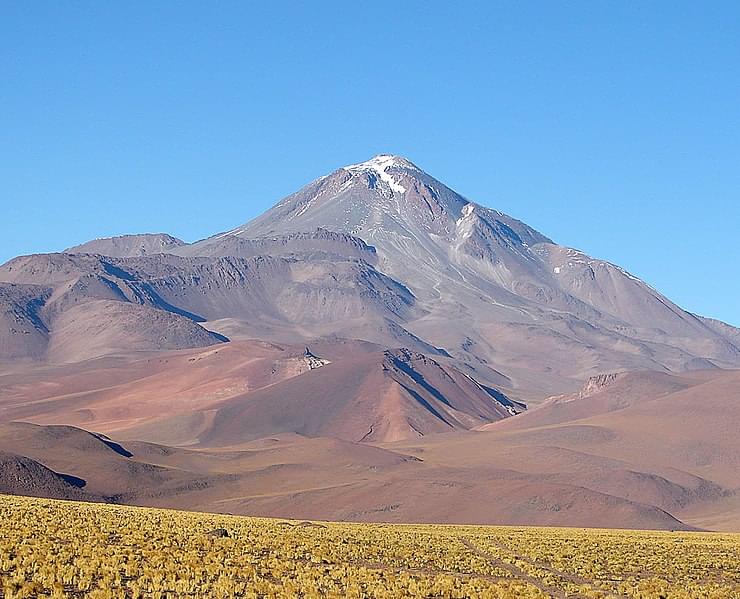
[(382, 251)]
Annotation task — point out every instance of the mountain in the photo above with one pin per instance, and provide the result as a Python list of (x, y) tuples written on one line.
[(70, 307), (491, 290), (374, 347), (127, 246), (379, 251)]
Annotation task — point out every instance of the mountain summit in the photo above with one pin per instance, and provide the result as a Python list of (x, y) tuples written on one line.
[(385, 196), (378, 251), (492, 288)]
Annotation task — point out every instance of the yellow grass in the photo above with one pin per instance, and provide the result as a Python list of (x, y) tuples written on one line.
[(66, 549)]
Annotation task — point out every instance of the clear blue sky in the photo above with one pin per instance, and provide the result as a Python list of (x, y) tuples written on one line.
[(613, 127)]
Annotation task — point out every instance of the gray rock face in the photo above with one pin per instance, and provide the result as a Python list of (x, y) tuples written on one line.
[(384, 195)]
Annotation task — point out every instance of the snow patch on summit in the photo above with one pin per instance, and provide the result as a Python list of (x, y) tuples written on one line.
[(380, 164)]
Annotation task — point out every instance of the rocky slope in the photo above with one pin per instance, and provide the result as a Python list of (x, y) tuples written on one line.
[(20, 475), (104, 305)]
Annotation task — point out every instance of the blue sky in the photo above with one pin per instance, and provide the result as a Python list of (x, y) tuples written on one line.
[(613, 127)]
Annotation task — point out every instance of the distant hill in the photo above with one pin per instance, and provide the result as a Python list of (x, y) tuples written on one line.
[(127, 246)]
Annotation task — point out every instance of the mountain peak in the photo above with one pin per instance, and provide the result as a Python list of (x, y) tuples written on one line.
[(380, 165), (389, 201), (383, 161)]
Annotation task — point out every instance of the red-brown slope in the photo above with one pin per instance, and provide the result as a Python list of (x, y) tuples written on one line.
[(384, 396), (667, 441), (110, 394), (297, 477), (603, 394), (634, 450), (244, 390), (687, 421)]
